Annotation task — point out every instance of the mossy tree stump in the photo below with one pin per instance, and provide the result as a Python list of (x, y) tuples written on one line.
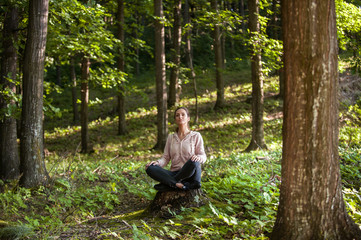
[(166, 204)]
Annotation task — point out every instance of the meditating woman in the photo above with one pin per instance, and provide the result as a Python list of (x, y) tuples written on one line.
[(185, 150)]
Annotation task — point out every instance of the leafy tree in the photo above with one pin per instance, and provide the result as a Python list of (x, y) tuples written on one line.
[(32, 166), (311, 204), (161, 88), (80, 30), (74, 94), (9, 154), (219, 59), (174, 88), (189, 55), (257, 140), (120, 62)]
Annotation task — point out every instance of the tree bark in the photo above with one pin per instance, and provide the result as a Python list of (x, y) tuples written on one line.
[(32, 165), (174, 87), (84, 104), (167, 204), (73, 91), (189, 57), (218, 60), (122, 127), (311, 204), (9, 153), (257, 141), (161, 88)]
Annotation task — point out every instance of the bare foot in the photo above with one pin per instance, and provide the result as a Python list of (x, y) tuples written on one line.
[(179, 185)]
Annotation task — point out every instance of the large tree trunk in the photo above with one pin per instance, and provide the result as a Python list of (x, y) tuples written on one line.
[(84, 105), (189, 57), (32, 165), (166, 204), (311, 204), (161, 88), (218, 60), (174, 87), (122, 127), (9, 153), (257, 141), (73, 91)]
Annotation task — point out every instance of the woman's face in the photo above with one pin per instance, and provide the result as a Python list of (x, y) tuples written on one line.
[(181, 117)]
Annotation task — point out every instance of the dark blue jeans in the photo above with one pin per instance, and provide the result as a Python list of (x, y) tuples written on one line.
[(189, 175)]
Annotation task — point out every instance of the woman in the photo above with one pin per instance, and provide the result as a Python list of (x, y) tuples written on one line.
[(185, 150)]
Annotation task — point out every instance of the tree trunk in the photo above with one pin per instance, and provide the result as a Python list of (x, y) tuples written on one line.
[(189, 57), (161, 88), (257, 141), (73, 91), (9, 153), (32, 165), (311, 204), (122, 127), (84, 105), (166, 204), (174, 87), (218, 61)]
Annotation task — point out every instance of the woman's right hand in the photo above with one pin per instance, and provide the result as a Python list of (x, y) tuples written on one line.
[(151, 163)]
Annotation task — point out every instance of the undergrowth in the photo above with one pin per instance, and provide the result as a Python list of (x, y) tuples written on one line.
[(102, 195)]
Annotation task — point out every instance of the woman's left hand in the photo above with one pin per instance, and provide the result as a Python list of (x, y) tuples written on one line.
[(195, 158)]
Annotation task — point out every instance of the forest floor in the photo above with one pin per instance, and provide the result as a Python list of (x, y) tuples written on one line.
[(102, 195)]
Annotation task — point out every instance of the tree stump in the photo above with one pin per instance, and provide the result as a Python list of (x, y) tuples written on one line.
[(167, 204)]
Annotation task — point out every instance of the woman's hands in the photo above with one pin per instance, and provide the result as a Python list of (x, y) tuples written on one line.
[(195, 158), (151, 163)]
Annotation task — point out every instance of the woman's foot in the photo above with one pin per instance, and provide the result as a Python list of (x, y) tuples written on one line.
[(162, 187), (181, 186)]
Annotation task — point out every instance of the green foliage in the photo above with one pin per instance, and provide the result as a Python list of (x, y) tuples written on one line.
[(349, 32), (16, 232), (353, 203), (76, 28), (350, 133), (351, 167), (348, 23)]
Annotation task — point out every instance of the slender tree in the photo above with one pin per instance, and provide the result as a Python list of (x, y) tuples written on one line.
[(219, 62), (257, 140), (76, 117), (174, 87), (84, 116), (9, 154), (32, 165), (189, 56), (311, 204), (122, 127), (161, 88)]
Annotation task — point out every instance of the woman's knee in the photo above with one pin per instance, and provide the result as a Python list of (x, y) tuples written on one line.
[(151, 169), (193, 163)]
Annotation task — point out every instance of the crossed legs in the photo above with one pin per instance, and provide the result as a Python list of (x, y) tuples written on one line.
[(188, 177)]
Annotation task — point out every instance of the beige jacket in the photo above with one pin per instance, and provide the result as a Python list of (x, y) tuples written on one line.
[(180, 151)]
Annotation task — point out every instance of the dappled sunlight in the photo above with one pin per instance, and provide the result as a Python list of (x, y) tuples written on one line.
[(273, 116)]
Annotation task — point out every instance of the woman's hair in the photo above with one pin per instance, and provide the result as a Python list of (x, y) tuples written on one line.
[(187, 111)]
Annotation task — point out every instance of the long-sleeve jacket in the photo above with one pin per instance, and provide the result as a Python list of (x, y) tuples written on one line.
[(180, 151)]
